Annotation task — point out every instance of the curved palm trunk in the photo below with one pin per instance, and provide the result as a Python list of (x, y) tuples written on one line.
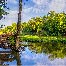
[(18, 60), (18, 24)]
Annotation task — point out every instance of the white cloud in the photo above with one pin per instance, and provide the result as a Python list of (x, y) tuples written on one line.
[(44, 6), (13, 2), (57, 5), (34, 9), (48, 5), (59, 62), (25, 17), (25, 10), (10, 18), (40, 2), (40, 7)]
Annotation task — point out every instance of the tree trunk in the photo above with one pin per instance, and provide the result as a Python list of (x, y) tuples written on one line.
[(18, 24)]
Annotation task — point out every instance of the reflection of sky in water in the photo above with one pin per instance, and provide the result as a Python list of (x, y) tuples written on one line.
[(13, 63), (1, 49), (8, 63), (29, 58), (33, 59)]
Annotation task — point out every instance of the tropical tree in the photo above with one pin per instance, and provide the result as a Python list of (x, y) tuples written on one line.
[(53, 24), (18, 25)]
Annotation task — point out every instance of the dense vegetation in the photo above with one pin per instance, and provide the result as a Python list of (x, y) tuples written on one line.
[(44, 39), (8, 29), (51, 26)]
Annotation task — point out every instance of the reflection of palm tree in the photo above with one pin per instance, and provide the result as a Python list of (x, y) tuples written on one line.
[(18, 60), (17, 57), (1, 63), (6, 57), (10, 57)]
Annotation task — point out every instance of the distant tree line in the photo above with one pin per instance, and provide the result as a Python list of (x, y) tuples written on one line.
[(52, 24)]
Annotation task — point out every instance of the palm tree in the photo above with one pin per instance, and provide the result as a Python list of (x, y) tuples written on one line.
[(18, 24)]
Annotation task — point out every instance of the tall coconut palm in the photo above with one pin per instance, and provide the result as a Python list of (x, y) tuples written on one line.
[(18, 24)]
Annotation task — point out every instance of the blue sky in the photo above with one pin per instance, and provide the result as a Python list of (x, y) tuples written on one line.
[(32, 8)]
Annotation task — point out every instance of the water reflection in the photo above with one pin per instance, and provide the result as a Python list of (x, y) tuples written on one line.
[(8, 57), (40, 54), (52, 50), (35, 54)]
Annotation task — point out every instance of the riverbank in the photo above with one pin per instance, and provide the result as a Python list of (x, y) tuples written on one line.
[(45, 39)]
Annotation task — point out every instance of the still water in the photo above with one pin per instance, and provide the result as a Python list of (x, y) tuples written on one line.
[(35, 54)]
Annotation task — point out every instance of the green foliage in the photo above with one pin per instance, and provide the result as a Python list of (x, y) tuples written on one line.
[(49, 39), (10, 29), (53, 24), (33, 26), (30, 38), (12, 40)]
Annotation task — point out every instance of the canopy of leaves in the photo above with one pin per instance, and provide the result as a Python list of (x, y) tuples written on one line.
[(53, 24)]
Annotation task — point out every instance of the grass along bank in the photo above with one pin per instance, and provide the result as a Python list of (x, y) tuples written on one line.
[(49, 39)]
